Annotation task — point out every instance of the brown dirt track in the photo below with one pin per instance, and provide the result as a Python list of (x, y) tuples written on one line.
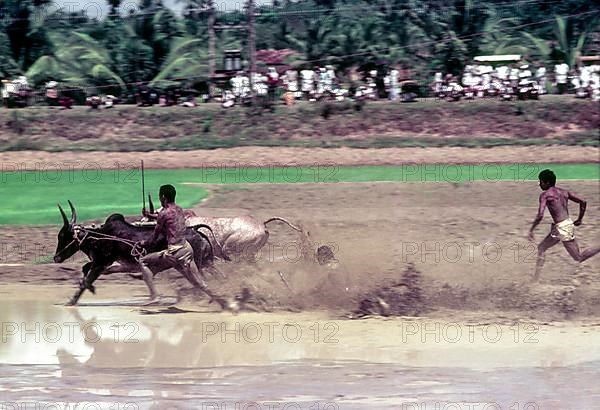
[(476, 230), (285, 156)]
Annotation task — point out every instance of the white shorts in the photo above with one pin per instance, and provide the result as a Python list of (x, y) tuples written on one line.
[(564, 231)]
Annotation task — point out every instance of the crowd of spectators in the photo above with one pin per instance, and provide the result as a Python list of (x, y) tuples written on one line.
[(520, 81), (480, 80), (318, 83)]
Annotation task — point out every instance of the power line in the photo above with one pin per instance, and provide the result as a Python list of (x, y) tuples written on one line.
[(222, 27), (381, 6), (59, 14), (92, 20), (468, 36)]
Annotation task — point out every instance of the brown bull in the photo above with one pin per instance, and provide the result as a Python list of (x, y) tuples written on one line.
[(239, 238)]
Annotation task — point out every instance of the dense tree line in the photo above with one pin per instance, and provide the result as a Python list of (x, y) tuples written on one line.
[(154, 44)]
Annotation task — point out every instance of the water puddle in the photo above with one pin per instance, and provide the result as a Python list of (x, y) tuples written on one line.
[(116, 356)]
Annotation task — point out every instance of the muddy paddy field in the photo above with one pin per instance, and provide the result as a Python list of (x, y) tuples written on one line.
[(430, 303)]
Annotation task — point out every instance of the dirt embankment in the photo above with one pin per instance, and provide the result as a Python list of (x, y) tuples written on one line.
[(428, 123)]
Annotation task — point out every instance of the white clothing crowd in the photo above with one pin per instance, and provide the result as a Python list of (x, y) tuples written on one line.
[(477, 80), (485, 80), (311, 85)]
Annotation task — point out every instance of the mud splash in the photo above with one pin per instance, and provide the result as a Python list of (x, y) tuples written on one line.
[(404, 298)]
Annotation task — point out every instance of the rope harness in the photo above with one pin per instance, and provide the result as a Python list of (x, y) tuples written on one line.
[(136, 250)]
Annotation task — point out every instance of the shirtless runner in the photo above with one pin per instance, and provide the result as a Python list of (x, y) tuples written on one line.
[(563, 228), (179, 253)]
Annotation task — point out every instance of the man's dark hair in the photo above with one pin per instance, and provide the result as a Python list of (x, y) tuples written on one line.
[(168, 191), (547, 176)]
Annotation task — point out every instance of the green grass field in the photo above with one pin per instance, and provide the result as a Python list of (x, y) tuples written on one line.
[(30, 197)]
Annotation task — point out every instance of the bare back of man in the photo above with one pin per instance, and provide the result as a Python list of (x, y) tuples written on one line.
[(563, 229), (179, 254)]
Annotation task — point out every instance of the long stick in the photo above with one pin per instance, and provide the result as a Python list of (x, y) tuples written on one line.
[(143, 187)]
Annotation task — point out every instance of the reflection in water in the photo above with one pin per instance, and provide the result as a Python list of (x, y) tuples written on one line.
[(306, 385), (105, 336), (114, 356)]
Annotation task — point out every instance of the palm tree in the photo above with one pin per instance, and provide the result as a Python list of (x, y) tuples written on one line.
[(566, 46), (187, 59), (77, 60), (315, 43), (500, 37), (134, 57), (26, 40), (8, 66)]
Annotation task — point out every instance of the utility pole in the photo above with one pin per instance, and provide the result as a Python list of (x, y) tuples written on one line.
[(251, 45), (211, 47)]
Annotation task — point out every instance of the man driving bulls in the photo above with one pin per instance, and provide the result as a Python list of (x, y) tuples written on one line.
[(179, 253)]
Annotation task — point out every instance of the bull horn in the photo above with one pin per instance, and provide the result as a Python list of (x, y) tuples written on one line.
[(64, 215), (73, 213), (150, 204)]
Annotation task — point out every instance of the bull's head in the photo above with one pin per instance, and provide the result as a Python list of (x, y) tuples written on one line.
[(67, 241)]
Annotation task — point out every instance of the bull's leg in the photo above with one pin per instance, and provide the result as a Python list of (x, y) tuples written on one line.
[(76, 296), (245, 248), (87, 283), (197, 262), (120, 267), (91, 277), (116, 268), (86, 268), (208, 266), (125, 268), (249, 254)]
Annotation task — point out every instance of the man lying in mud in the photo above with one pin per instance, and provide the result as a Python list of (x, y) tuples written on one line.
[(179, 253), (563, 228)]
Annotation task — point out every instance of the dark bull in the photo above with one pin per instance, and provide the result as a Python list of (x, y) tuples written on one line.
[(116, 241)]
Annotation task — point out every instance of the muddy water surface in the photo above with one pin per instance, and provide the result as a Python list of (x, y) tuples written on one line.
[(117, 354)]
